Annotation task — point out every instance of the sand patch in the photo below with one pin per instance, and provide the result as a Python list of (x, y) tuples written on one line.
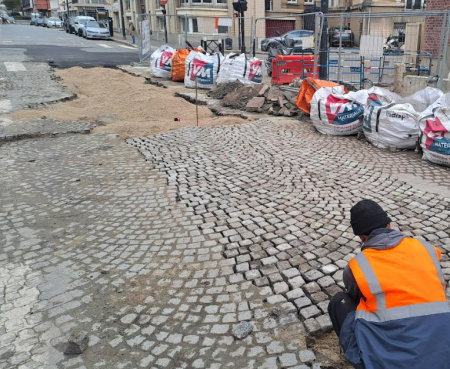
[(123, 104)]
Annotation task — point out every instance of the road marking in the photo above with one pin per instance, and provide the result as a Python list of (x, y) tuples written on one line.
[(105, 46), (5, 106), (6, 41), (15, 67), (127, 47)]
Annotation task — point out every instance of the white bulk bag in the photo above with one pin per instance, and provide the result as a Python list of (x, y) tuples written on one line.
[(239, 67), (435, 131), (424, 98), (203, 69), (334, 112), (161, 62)]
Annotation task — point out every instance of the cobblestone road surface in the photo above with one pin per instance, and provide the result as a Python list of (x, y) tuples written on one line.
[(158, 257)]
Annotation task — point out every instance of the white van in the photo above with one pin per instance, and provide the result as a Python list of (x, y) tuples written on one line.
[(80, 22)]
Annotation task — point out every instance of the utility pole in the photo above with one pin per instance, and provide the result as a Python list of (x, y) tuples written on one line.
[(67, 12), (323, 60), (163, 4), (123, 20)]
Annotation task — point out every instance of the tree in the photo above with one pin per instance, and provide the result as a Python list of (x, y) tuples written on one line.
[(12, 4)]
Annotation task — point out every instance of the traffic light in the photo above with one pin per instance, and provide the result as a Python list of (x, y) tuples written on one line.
[(240, 6)]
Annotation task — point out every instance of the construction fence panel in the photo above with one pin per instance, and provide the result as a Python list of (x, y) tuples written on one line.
[(200, 30), (363, 49), (143, 28)]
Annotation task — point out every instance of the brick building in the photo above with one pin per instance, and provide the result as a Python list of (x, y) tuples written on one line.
[(433, 27)]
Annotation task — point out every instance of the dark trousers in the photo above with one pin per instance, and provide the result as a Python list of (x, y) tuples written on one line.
[(339, 307)]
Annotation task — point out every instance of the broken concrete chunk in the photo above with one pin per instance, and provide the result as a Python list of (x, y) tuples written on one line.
[(255, 104), (263, 90), (273, 94), (280, 101), (78, 343), (243, 330)]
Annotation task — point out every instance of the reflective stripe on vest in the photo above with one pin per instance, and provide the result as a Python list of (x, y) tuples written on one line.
[(384, 314)]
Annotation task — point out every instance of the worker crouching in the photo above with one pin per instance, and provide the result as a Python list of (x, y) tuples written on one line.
[(394, 313)]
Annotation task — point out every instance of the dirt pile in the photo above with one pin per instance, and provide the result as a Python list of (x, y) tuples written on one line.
[(239, 98), (223, 89), (123, 104)]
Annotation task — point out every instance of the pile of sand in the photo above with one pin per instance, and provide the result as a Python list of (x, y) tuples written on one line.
[(123, 104)]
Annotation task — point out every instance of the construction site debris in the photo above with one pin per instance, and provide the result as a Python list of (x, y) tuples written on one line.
[(239, 98), (255, 104), (223, 89)]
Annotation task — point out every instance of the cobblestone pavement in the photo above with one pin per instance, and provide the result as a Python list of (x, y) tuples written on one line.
[(32, 84), (277, 197), (11, 130), (94, 239)]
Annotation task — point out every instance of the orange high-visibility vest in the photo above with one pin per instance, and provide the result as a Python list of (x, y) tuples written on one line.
[(400, 282)]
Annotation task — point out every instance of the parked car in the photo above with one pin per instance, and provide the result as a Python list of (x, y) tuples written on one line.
[(93, 29), (348, 37), (80, 22), (69, 25), (52, 22), (303, 39), (34, 16), (39, 22)]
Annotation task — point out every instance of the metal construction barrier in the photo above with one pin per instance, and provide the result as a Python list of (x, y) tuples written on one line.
[(364, 47), (143, 34)]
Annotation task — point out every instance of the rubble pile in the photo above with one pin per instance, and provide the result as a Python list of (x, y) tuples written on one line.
[(239, 98), (273, 100), (222, 89)]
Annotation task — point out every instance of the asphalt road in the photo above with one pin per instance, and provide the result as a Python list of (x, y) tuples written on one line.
[(22, 42)]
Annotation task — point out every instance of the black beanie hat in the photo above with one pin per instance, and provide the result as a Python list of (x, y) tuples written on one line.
[(367, 216)]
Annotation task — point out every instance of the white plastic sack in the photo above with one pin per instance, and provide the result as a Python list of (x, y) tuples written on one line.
[(334, 112), (202, 68), (424, 98), (389, 123), (239, 67), (435, 131), (161, 62)]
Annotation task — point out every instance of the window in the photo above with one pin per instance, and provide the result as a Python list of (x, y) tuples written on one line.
[(309, 2), (292, 1), (269, 6), (161, 23), (127, 5), (333, 3), (221, 1), (194, 25), (222, 29)]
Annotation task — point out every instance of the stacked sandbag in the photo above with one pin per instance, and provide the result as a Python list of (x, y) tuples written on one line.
[(424, 98), (239, 67), (388, 124), (202, 68), (161, 62), (434, 124), (333, 112)]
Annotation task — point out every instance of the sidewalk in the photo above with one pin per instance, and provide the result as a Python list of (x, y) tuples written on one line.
[(119, 38)]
